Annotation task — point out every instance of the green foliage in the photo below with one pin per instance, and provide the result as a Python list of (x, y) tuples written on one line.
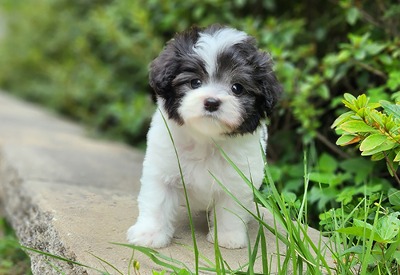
[(377, 132), (368, 243), (89, 59)]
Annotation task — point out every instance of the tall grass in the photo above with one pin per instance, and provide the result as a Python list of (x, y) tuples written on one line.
[(301, 254), (344, 252)]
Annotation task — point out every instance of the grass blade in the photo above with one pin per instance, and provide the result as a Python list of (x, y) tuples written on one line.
[(107, 263), (59, 258), (157, 257), (196, 250)]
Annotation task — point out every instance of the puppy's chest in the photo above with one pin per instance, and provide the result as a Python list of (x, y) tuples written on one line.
[(198, 161)]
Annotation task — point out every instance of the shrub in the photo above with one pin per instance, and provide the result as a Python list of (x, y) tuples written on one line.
[(376, 132)]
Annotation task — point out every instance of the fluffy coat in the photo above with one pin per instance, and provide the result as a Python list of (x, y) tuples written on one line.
[(213, 88)]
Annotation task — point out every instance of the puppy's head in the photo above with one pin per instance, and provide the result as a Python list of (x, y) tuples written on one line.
[(215, 81)]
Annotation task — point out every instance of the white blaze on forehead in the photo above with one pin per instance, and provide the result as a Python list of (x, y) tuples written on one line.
[(208, 46)]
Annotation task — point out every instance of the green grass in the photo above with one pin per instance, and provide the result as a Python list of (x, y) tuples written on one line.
[(362, 241), (13, 260), (357, 246)]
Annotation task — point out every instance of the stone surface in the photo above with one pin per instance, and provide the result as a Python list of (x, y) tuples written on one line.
[(73, 195)]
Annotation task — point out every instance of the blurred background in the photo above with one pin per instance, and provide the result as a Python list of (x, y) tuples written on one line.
[(88, 60)]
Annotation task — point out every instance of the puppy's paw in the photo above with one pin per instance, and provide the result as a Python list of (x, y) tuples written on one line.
[(229, 239), (144, 235)]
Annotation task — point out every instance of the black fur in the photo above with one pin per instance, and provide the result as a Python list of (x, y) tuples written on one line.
[(247, 65), (176, 58), (240, 63)]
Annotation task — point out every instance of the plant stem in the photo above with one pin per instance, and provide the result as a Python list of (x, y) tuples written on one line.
[(392, 168), (372, 70), (331, 146)]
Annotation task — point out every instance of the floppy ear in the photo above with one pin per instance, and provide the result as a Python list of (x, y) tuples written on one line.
[(163, 71), (271, 89), (272, 92), (167, 65)]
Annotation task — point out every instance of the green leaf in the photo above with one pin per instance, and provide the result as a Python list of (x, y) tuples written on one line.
[(349, 97), (321, 177), (387, 145), (374, 48), (347, 139), (323, 91), (390, 108), (386, 59), (362, 231), (289, 197), (394, 80), (358, 249), (342, 118), (394, 196), (378, 156), (358, 231), (360, 54), (356, 126), (359, 167), (388, 227), (352, 15), (377, 117), (372, 142), (373, 105), (377, 93), (397, 157), (327, 163), (346, 195), (363, 224), (362, 101), (326, 178), (322, 196), (343, 56)]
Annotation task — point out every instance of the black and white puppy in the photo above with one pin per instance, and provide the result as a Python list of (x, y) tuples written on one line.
[(213, 86)]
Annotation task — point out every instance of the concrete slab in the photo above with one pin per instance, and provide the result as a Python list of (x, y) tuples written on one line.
[(72, 195)]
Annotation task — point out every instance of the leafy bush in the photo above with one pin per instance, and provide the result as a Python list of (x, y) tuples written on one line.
[(93, 69), (89, 59), (378, 133)]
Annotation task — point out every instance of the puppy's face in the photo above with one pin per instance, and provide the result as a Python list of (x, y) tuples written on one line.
[(215, 81)]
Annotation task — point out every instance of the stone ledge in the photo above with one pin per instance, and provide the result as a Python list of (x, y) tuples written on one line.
[(72, 195)]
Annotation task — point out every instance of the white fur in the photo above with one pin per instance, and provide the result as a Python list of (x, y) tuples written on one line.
[(208, 46), (212, 124), (161, 192)]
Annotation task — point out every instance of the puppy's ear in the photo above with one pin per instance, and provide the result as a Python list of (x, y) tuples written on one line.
[(163, 71), (167, 65), (271, 89)]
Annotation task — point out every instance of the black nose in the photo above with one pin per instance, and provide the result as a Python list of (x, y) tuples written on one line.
[(211, 104)]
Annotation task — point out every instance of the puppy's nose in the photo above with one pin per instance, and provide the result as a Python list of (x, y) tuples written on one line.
[(212, 104)]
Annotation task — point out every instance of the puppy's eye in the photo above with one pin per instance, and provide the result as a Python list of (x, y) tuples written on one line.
[(237, 89), (195, 83)]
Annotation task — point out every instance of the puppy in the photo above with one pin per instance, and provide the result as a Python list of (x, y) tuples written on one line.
[(213, 89)]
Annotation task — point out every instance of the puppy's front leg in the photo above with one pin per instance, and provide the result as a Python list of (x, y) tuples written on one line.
[(158, 204), (231, 223)]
